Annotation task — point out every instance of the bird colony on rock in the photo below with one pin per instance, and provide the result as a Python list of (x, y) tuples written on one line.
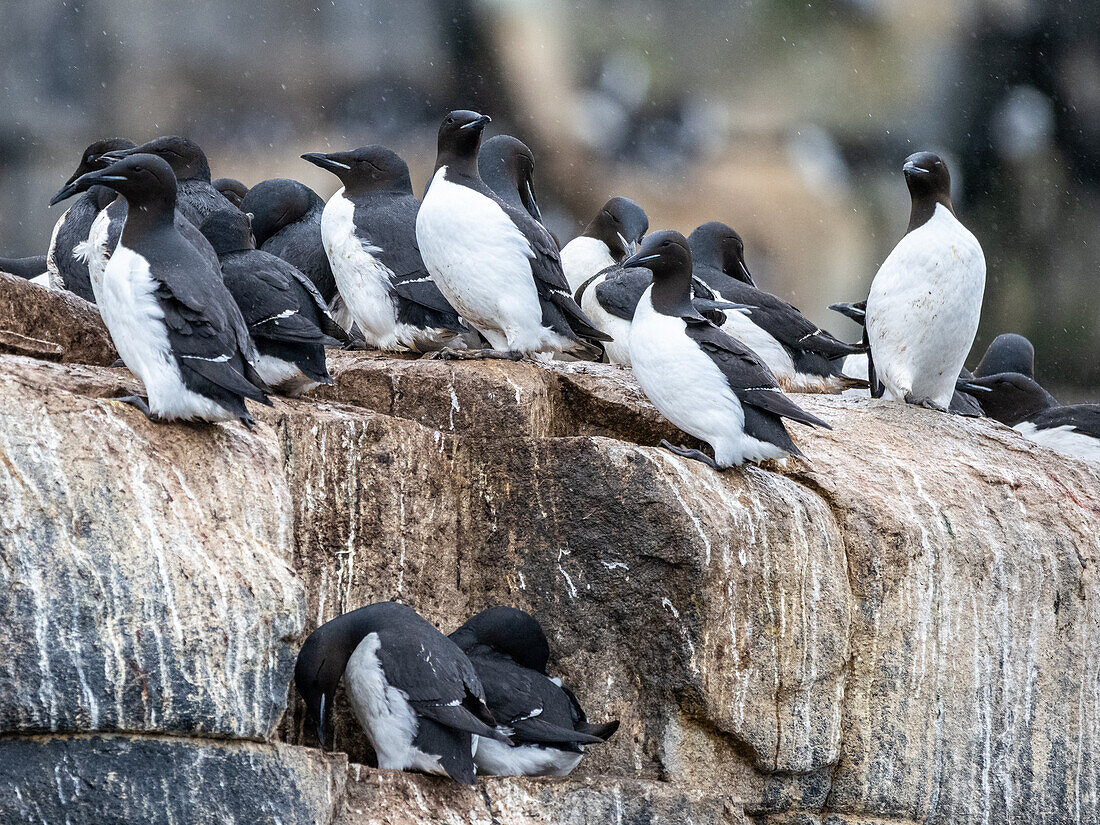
[(215, 293)]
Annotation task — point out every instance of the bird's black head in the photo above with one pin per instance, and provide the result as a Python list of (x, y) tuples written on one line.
[(1008, 352), (929, 184), (277, 203), (505, 158), (187, 160), (459, 138), (93, 159), (228, 230), (320, 666), (232, 189), (620, 224), (1009, 397), (666, 254), (146, 181), (507, 630), (717, 245), (369, 169)]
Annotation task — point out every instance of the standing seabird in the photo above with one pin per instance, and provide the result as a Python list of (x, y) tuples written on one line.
[(369, 231), (802, 356), (613, 234), (286, 315), (926, 300), (65, 267), (707, 383), (415, 693), (1020, 402), (498, 266), (508, 168), (233, 190), (546, 723), (171, 318), (197, 198)]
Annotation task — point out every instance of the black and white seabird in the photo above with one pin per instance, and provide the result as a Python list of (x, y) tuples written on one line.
[(861, 365), (926, 300), (286, 221), (801, 355), (66, 267), (1020, 402), (546, 723), (498, 266), (172, 320), (415, 693), (707, 383), (613, 234), (233, 190), (508, 168), (369, 231), (197, 198), (286, 315)]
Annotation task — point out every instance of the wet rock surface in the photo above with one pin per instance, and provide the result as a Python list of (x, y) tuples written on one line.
[(903, 630)]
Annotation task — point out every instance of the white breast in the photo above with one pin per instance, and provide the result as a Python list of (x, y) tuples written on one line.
[(126, 301), (1064, 440), (482, 265), (94, 251), (362, 279), (53, 274), (582, 258), (384, 712), (618, 350), (763, 343), (497, 759), (687, 387), (923, 309)]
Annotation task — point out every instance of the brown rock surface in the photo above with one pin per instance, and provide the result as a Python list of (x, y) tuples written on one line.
[(904, 630), (51, 324)]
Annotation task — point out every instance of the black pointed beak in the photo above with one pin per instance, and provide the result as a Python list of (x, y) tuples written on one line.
[(963, 385), (746, 276), (639, 258), (108, 158), (479, 122), (532, 203), (321, 723), (708, 305), (328, 162), (84, 183)]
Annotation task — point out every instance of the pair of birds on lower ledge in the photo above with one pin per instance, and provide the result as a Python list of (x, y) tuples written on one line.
[(476, 702)]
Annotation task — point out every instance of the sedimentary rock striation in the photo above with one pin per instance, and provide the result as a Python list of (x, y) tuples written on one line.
[(903, 630)]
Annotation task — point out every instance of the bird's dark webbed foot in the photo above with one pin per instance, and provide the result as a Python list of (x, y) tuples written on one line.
[(118, 363), (448, 354), (141, 403), (924, 401), (695, 455)]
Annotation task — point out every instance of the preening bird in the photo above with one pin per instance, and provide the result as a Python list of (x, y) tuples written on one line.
[(172, 320), (926, 300), (609, 237), (413, 691), (708, 384), (496, 265), (545, 722), (508, 168), (369, 232), (232, 189)]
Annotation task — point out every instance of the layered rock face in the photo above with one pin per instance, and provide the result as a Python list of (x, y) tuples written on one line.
[(903, 630)]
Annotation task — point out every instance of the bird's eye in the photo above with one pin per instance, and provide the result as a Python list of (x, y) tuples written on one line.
[(138, 169)]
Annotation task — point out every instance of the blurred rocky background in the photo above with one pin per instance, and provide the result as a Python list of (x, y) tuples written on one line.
[(788, 119)]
